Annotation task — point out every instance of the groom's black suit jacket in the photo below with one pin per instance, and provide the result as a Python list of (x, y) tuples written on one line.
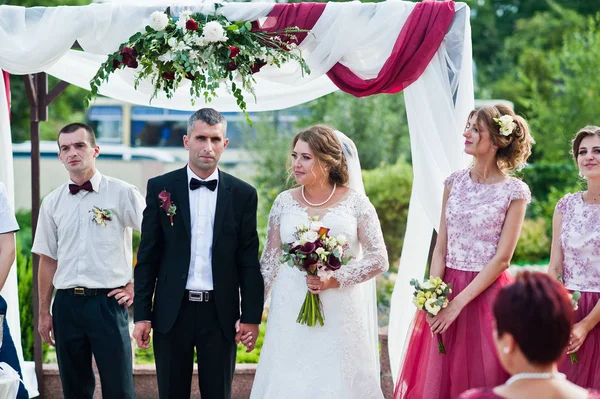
[(164, 254)]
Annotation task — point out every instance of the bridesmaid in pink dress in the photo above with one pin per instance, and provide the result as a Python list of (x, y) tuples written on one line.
[(482, 214), (533, 322), (575, 257)]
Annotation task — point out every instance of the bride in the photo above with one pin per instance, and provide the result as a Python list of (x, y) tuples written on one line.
[(339, 359)]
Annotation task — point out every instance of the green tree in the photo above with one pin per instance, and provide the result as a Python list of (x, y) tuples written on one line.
[(377, 124), (572, 102)]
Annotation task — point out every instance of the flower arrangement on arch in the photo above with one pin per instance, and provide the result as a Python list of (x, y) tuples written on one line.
[(206, 50), (317, 253)]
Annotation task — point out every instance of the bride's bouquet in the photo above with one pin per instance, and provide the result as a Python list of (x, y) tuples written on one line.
[(432, 296), (575, 297), (317, 253)]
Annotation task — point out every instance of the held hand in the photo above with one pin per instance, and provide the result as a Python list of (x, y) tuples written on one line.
[(247, 335), (316, 285), (440, 323), (578, 334), (124, 295), (45, 329), (141, 334)]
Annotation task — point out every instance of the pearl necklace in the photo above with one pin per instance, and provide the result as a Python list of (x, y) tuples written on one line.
[(322, 203), (534, 376)]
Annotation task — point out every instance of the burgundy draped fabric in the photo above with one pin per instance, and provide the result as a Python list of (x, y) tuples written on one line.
[(417, 43), (6, 78)]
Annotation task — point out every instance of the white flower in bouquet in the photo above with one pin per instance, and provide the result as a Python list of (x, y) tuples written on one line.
[(159, 20), (166, 57), (324, 273), (172, 42), (213, 32), (426, 285), (342, 240), (311, 236), (340, 251), (315, 226), (431, 307), (320, 252)]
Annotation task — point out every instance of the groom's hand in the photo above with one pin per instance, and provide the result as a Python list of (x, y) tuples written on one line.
[(247, 335), (141, 334)]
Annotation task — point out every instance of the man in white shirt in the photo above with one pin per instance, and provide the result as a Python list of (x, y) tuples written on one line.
[(197, 259), (83, 238), (8, 227)]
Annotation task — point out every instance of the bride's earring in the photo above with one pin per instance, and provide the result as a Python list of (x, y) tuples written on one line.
[(505, 350)]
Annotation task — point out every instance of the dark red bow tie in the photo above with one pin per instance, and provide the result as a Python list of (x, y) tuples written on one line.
[(74, 188)]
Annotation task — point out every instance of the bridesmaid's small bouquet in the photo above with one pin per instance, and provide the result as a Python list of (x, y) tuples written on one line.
[(575, 296), (317, 253), (432, 296)]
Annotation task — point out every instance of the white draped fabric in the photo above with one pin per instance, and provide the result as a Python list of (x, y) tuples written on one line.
[(358, 35), (438, 101), (10, 290)]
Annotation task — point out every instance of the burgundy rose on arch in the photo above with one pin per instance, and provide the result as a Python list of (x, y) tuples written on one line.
[(234, 51), (128, 56), (116, 64), (168, 75), (257, 65), (231, 66), (191, 25), (333, 263)]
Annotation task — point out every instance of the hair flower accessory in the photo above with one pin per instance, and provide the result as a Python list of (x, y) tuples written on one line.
[(507, 124)]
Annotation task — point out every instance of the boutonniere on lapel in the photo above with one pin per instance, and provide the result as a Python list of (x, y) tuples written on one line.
[(101, 216), (167, 204)]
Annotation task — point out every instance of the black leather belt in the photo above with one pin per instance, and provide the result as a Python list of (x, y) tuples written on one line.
[(82, 291), (199, 296)]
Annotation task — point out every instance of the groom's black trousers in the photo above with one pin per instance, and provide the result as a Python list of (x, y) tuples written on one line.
[(92, 324), (197, 325)]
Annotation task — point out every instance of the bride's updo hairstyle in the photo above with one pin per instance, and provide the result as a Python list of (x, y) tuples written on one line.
[(327, 149), (513, 140)]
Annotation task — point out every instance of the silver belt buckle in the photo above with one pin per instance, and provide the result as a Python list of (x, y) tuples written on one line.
[(199, 296)]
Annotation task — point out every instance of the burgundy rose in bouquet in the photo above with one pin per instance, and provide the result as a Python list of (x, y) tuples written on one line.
[(319, 254)]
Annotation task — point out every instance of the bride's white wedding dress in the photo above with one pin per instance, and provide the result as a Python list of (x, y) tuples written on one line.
[(336, 360)]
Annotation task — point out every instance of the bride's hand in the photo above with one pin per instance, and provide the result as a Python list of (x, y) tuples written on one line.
[(316, 285)]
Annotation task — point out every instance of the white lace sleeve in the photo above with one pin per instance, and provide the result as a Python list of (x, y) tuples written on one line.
[(375, 259), (269, 261)]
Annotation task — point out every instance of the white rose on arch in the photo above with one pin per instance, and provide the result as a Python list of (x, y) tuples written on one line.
[(159, 20)]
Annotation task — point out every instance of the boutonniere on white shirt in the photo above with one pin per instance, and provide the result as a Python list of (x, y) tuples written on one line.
[(101, 216), (169, 207)]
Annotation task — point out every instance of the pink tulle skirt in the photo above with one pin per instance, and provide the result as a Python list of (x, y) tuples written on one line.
[(586, 372), (470, 360)]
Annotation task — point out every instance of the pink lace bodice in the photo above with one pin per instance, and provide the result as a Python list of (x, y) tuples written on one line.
[(580, 243), (475, 215)]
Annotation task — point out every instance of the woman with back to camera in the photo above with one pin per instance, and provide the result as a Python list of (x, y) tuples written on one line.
[(339, 359), (575, 259), (482, 213), (533, 323)]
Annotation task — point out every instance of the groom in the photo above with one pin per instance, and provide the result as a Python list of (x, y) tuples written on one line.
[(199, 259)]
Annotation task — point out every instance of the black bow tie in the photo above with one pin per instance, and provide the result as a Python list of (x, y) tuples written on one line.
[(74, 188), (210, 184)]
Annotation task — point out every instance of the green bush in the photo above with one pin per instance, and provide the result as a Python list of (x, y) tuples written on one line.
[(388, 187), (534, 242)]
